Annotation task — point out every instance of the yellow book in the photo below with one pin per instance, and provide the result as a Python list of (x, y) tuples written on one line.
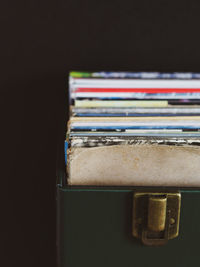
[(120, 103)]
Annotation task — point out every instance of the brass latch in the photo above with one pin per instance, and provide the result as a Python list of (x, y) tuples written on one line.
[(156, 217)]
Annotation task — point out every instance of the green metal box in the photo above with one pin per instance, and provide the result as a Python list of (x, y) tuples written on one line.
[(94, 228)]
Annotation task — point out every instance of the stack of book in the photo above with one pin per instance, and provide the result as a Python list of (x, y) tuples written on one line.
[(133, 129)]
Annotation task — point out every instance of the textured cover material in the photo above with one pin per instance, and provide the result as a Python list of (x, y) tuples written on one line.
[(141, 165)]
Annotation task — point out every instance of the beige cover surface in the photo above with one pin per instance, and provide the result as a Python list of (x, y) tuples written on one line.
[(138, 165)]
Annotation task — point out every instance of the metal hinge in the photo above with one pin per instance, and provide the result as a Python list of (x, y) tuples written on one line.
[(156, 217)]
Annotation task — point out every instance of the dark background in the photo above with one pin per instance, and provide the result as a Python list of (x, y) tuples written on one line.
[(40, 42)]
